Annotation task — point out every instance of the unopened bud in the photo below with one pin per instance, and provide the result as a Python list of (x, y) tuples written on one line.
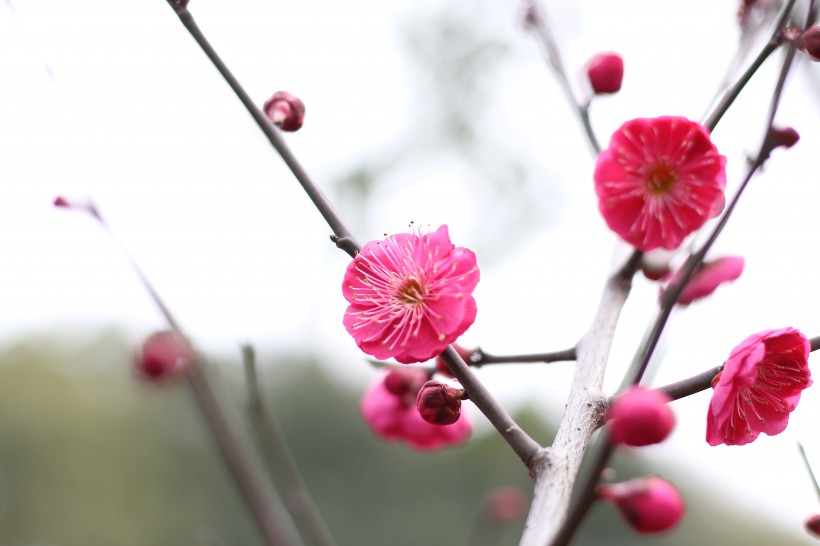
[(640, 417), (809, 41), (404, 383), (785, 137), (506, 504), (285, 111), (164, 355), (813, 525), (439, 403), (649, 504), (605, 72)]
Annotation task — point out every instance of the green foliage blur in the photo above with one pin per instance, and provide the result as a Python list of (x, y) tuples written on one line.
[(90, 455)]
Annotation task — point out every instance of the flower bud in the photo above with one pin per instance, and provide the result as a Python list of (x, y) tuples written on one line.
[(786, 137), (813, 525), (164, 355), (605, 72), (640, 417), (285, 111), (809, 41), (439, 403), (649, 504), (506, 504), (706, 279), (405, 382)]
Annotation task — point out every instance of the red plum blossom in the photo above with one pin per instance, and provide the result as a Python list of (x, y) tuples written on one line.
[(759, 386), (410, 295), (659, 180)]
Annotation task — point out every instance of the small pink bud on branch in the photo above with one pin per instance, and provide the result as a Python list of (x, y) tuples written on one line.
[(649, 504), (605, 72), (808, 41), (164, 356), (285, 111), (640, 417)]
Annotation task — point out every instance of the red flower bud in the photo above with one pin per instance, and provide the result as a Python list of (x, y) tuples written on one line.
[(285, 111), (649, 504), (164, 355), (605, 72), (809, 41), (439, 403), (640, 417), (786, 137), (813, 525), (405, 383)]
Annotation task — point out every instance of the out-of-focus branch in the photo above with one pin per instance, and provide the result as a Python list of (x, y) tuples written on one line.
[(297, 496), (266, 508)]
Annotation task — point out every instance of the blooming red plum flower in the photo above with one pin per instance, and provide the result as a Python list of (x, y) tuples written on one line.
[(659, 180), (649, 504), (410, 295), (640, 417), (392, 414), (707, 278), (759, 386)]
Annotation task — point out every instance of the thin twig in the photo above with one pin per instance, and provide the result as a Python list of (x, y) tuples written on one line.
[(296, 493), (809, 468), (521, 443), (732, 93), (553, 55), (691, 385), (483, 359)]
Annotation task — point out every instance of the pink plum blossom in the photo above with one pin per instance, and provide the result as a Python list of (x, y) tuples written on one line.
[(649, 504), (759, 386), (410, 295), (389, 407), (659, 180), (640, 417), (707, 278)]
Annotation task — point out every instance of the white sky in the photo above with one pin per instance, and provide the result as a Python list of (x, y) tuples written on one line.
[(113, 100)]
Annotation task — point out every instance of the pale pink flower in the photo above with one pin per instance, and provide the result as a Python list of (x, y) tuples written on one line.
[(640, 417), (759, 386), (410, 295), (659, 180), (707, 278), (649, 504), (389, 407)]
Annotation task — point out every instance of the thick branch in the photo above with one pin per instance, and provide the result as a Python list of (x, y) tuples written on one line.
[(557, 466)]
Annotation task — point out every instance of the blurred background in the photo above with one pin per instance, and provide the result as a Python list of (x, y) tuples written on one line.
[(420, 111)]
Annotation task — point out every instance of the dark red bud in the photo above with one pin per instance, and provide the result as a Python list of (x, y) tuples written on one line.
[(439, 403), (605, 72), (786, 137), (164, 355), (285, 111)]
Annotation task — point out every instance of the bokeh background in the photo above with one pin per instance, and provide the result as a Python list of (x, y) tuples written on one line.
[(432, 112)]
